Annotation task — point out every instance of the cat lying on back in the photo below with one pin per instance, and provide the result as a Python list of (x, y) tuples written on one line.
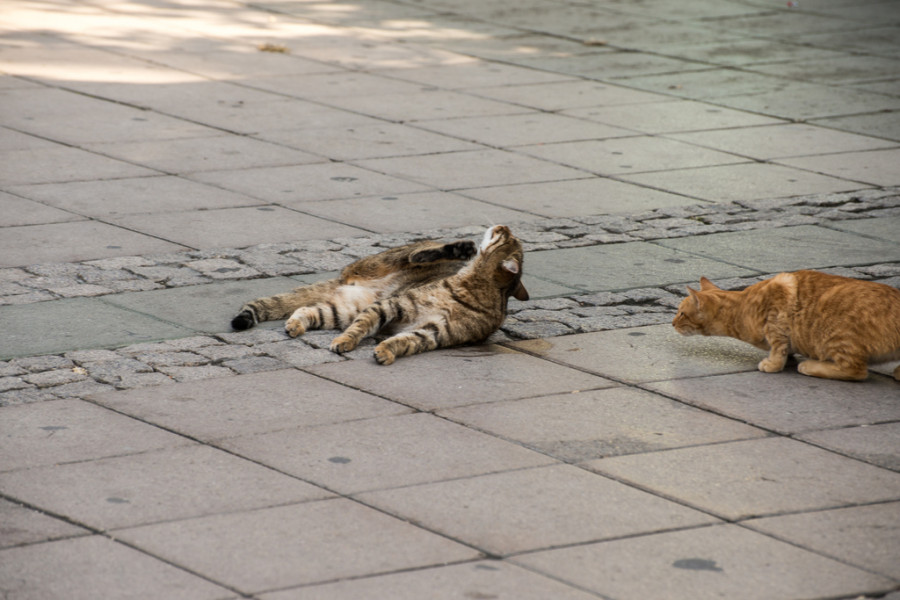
[(430, 295), (840, 324)]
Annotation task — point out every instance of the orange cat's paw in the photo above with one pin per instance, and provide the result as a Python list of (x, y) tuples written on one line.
[(343, 343), (383, 356), (767, 365), (294, 327)]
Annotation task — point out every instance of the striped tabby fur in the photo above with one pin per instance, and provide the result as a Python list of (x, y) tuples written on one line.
[(430, 295)]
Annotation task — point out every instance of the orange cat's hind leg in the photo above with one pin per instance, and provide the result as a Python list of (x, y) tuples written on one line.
[(833, 370)]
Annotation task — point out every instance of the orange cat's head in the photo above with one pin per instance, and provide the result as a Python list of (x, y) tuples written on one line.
[(696, 313), (504, 253)]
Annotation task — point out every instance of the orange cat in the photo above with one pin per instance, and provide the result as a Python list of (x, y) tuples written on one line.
[(839, 324)]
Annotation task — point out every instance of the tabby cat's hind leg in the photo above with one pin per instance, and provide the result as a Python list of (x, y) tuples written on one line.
[(832, 370), (320, 316)]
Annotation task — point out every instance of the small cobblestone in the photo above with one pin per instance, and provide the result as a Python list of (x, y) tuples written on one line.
[(35, 364), (54, 378), (24, 396), (182, 374), (172, 359), (254, 364), (13, 383)]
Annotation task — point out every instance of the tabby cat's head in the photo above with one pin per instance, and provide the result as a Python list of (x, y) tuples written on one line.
[(503, 254), (696, 313)]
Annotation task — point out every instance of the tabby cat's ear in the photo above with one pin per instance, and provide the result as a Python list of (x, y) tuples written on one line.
[(706, 284), (510, 265)]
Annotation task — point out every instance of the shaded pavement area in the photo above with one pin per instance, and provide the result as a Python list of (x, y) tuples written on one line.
[(162, 162)]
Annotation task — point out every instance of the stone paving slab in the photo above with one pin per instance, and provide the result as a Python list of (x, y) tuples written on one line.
[(77, 568), (469, 375), (383, 452), (562, 505), (285, 546), (77, 323), (644, 354), (162, 485), (589, 425), (203, 308), (65, 431), (743, 479), (810, 247), (709, 562), (487, 579), (860, 535), (788, 402), (248, 404), (23, 525), (875, 444), (630, 265)]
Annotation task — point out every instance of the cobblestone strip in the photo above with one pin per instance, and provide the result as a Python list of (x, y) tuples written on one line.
[(84, 372), (37, 283)]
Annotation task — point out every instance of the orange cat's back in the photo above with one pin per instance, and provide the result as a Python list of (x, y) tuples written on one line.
[(842, 316)]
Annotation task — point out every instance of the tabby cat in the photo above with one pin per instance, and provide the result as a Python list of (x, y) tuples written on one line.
[(840, 324), (429, 295)]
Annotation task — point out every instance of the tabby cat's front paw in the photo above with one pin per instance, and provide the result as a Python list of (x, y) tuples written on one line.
[(383, 356), (767, 365), (294, 327), (343, 343)]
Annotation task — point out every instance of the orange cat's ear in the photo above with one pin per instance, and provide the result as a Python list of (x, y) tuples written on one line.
[(695, 295), (706, 284)]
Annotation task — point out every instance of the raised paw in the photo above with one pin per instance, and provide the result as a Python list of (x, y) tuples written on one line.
[(343, 343), (464, 249), (767, 365), (294, 327), (383, 356)]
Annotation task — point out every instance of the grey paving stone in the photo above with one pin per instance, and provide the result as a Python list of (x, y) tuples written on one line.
[(743, 479), (368, 141), (860, 535), (296, 544), (624, 266), (504, 131), (474, 74), (134, 195), (431, 103), (88, 240), (61, 431), (63, 163), (788, 402), (708, 562), (874, 167), (248, 404), (208, 308), (869, 124), (643, 354), (22, 525), (811, 247), (456, 377), (326, 181), (780, 141), (78, 568), (161, 485), (561, 504), (482, 168), (809, 101), (76, 324), (384, 452), (883, 228), (555, 96), (232, 226), (196, 373), (595, 424), (20, 211), (412, 212), (876, 444), (742, 182), (204, 153), (670, 117), (492, 579)]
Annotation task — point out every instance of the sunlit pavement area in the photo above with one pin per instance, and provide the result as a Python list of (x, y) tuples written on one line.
[(162, 162)]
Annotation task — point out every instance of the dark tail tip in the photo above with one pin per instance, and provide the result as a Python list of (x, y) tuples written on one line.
[(244, 320)]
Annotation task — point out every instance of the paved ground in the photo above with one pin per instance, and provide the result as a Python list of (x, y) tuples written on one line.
[(161, 162)]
